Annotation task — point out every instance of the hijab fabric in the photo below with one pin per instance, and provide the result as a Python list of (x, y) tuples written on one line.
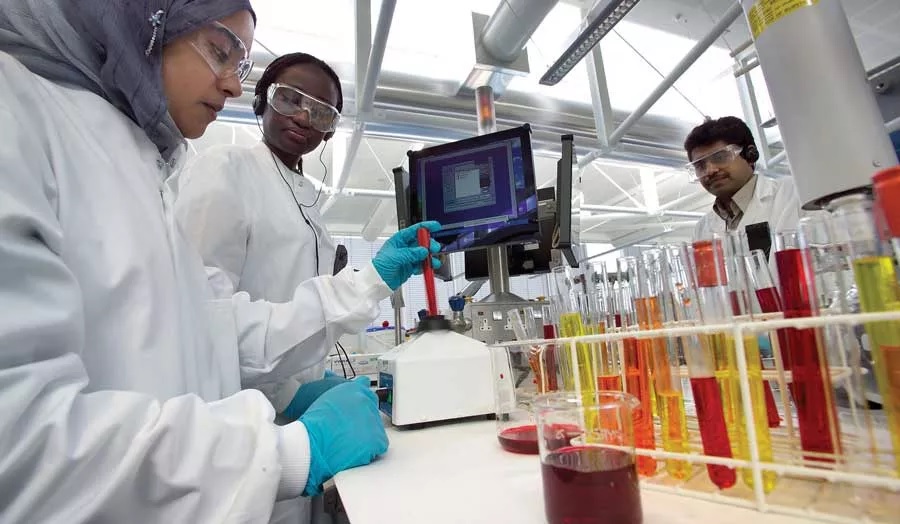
[(112, 48)]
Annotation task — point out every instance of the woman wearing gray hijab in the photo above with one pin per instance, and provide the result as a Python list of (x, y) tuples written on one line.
[(120, 378)]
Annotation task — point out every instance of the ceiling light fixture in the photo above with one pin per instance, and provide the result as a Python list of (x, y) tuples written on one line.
[(600, 20)]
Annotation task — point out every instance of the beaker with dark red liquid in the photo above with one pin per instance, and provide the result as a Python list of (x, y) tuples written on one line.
[(592, 479)]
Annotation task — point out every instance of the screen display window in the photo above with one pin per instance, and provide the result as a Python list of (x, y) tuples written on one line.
[(481, 190)]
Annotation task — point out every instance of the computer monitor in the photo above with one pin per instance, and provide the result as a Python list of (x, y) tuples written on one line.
[(523, 259), (568, 225), (480, 189)]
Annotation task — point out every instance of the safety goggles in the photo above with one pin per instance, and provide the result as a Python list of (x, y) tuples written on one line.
[(290, 101), (721, 157), (225, 53)]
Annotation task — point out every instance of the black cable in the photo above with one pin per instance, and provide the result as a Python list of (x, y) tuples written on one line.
[(341, 348), (294, 196), (311, 228)]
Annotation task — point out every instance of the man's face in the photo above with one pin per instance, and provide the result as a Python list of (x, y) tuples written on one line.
[(721, 171)]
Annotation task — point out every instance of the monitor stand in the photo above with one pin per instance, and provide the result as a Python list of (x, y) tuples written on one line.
[(498, 276), (490, 321)]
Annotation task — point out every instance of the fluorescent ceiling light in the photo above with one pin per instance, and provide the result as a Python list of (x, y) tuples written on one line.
[(600, 20)]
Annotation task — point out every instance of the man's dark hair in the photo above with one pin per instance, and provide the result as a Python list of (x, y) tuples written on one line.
[(728, 129), (283, 62)]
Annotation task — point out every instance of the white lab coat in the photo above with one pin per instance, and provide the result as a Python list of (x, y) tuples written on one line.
[(235, 208), (774, 201), (119, 379)]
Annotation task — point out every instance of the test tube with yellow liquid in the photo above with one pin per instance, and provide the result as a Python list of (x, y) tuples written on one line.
[(575, 301), (718, 305), (636, 360), (663, 361), (876, 279)]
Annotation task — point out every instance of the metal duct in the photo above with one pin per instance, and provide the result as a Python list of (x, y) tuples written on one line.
[(512, 24)]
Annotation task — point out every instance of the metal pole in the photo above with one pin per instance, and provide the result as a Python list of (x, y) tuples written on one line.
[(364, 104), (484, 106), (721, 26), (600, 103), (363, 43), (498, 265)]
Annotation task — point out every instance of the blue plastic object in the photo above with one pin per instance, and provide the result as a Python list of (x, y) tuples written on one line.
[(329, 373), (345, 431), (308, 393), (457, 303), (401, 257)]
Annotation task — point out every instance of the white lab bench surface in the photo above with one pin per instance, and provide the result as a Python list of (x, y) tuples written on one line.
[(457, 473)]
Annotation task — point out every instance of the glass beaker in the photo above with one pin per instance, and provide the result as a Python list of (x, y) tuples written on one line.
[(587, 459), (515, 387)]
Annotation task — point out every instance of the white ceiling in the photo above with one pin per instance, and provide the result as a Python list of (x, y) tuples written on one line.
[(425, 31)]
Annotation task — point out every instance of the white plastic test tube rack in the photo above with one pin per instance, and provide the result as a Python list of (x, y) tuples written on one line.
[(860, 485)]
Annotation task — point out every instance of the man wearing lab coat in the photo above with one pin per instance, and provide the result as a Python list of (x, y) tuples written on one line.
[(723, 158)]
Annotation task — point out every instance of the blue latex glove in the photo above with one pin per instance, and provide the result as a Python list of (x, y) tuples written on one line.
[(329, 373), (401, 257), (345, 431), (308, 393), (765, 346)]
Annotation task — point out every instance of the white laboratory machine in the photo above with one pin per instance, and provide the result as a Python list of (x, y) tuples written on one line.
[(437, 375)]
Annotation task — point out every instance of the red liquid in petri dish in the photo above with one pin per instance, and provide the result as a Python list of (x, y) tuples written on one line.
[(586, 485), (521, 439)]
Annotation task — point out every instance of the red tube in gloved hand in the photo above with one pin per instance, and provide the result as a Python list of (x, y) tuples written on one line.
[(424, 237)]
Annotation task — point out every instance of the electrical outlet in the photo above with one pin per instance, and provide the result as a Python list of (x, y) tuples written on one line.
[(486, 325)]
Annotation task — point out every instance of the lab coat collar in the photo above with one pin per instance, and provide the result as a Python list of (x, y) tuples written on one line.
[(263, 152), (766, 187)]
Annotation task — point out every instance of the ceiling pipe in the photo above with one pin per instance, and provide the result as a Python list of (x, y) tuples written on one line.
[(364, 105), (511, 25)]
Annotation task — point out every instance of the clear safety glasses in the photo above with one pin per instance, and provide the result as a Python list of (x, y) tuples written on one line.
[(721, 157), (289, 101), (225, 53)]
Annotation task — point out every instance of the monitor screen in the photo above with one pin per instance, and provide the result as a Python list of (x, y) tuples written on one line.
[(480, 189), (525, 259)]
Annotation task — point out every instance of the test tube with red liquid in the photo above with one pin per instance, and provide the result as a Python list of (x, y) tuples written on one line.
[(424, 237), (682, 302), (636, 361), (742, 295), (813, 393), (713, 271)]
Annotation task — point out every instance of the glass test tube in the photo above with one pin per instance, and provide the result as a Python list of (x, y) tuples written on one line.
[(769, 299), (606, 354), (636, 361), (682, 310), (873, 269), (811, 378), (717, 306), (576, 306), (548, 360), (741, 292), (664, 362)]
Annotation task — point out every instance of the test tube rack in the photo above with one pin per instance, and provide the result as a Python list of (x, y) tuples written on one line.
[(859, 485)]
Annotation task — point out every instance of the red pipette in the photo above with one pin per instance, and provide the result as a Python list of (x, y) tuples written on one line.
[(424, 237)]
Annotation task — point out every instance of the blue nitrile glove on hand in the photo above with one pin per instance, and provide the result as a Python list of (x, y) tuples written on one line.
[(401, 257), (329, 373), (345, 431), (308, 393), (765, 346)]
